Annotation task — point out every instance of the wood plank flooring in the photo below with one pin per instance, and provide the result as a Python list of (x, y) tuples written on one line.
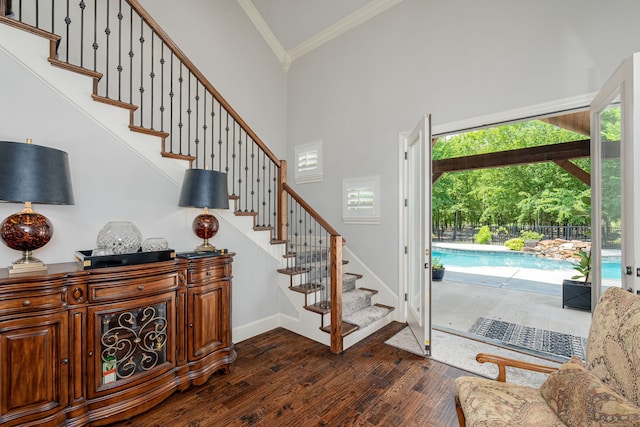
[(283, 379)]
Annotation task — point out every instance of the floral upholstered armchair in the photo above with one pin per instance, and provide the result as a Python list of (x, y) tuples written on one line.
[(603, 391)]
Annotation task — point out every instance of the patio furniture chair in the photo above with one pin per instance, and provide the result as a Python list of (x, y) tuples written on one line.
[(603, 391)]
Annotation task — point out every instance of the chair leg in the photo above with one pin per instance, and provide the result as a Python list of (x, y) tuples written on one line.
[(461, 419)]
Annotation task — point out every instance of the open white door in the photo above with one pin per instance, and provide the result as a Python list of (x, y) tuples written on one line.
[(615, 149), (417, 232)]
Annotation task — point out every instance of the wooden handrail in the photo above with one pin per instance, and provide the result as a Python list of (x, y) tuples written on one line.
[(196, 72), (311, 211)]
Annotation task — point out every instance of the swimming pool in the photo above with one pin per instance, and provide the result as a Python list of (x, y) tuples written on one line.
[(611, 268)]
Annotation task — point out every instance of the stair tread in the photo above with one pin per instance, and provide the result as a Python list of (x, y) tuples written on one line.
[(368, 315), (347, 328)]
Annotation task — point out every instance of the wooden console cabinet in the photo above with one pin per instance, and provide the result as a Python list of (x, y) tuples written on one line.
[(90, 347)]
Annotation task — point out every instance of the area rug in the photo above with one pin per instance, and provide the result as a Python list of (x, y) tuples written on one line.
[(539, 340), (460, 352)]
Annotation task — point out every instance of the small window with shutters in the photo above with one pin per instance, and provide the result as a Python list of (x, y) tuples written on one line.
[(361, 200), (308, 162)]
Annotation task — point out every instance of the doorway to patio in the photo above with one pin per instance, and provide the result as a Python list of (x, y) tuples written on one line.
[(499, 185)]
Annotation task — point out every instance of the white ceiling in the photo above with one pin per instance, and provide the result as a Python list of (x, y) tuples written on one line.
[(295, 27)]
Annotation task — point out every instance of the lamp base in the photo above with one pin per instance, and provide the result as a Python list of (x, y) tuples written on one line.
[(27, 264), (205, 247)]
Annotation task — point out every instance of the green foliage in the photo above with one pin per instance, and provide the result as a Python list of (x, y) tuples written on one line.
[(436, 264), (515, 244), (584, 266), (530, 235), (483, 236), (535, 194)]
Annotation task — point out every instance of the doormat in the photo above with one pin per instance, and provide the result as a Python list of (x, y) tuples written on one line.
[(531, 338)]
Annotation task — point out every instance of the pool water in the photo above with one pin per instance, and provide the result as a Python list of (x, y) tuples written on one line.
[(611, 266)]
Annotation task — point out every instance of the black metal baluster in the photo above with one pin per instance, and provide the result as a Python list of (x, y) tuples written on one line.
[(153, 76), (141, 40), (131, 56), (197, 140), (204, 129), (226, 168), (269, 198), (265, 211), (220, 137), (20, 10), (243, 201), (82, 7), (119, 68), (162, 87), (189, 118), (233, 164), (274, 195), (107, 31), (37, 13), (246, 170), (67, 21), (95, 35), (180, 80), (53, 16), (213, 132), (253, 166), (171, 95)]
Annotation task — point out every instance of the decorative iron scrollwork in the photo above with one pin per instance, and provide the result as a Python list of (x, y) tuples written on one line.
[(136, 340)]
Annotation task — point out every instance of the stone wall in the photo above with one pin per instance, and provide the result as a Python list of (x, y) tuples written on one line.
[(559, 249)]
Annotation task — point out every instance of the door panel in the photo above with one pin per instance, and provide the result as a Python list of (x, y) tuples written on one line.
[(417, 192), (614, 152)]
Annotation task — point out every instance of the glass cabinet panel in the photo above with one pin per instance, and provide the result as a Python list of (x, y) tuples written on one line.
[(132, 341)]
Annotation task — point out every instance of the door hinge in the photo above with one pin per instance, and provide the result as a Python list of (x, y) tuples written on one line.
[(406, 203), (406, 155), (406, 250), (406, 297)]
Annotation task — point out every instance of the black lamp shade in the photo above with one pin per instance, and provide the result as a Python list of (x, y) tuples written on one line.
[(204, 188), (33, 173)]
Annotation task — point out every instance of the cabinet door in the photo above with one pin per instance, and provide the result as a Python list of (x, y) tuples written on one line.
[(209, 318), (130, 342), (33, 368)]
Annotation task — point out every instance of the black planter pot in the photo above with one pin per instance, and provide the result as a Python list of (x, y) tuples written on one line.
[(576, 294), (437, 274)]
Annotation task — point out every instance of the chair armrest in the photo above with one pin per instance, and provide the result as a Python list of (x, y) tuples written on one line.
[(503, 362)]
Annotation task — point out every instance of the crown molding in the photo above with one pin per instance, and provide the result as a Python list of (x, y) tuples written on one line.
[(262, 27), (347, 23)]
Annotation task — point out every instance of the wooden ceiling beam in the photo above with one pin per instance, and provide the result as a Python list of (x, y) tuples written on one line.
[(558, 153)]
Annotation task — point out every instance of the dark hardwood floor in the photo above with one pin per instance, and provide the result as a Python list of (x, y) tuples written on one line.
[(283, 379)]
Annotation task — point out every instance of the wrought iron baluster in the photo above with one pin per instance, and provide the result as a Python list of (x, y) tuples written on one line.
[(141, 40), (53, 16), (131, 56), (265, 211), (197, 123), (37, 13), (220, 137), (119, 67), (162, 87), (189, 117), (180, 124), (152, 75), (107, 31), (95, 35), (226, 168), (204, 129), (82, 7), (67, 21), (171, 95), (253, 156), (233, 163), (213, 132)]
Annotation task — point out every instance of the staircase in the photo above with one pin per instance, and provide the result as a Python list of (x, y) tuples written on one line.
[(166, 97), (308, 276)]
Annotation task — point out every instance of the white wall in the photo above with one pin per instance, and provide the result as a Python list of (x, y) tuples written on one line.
[(111, 182), (454, 59)]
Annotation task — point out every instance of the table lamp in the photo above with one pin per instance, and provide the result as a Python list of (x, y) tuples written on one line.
[(203, 188), (29, 174)]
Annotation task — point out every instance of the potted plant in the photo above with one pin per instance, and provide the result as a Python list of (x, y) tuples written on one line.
[(577, 293), (437, 269)]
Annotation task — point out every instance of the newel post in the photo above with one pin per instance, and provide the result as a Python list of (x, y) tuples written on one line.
[(335, 265), (281, 232)]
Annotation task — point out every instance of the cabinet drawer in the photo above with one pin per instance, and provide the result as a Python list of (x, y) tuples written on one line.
[(132, 288), (208, 273), (33, 300)]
